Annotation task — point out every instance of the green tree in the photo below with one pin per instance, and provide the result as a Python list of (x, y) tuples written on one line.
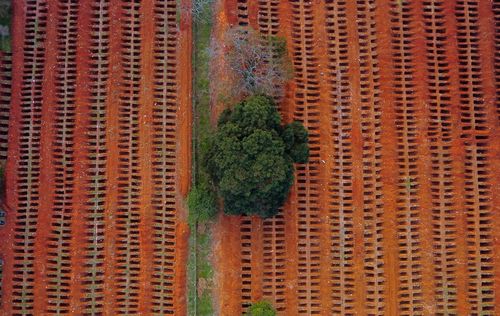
[(295, 137), (261, 308), (250, 158)]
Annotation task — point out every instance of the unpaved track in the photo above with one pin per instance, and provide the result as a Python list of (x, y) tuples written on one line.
[(395, 213), (99, 159)]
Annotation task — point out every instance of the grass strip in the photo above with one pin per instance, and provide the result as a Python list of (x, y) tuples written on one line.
[(200, 271)]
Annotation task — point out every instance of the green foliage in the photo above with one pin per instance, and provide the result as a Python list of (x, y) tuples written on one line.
[(250, 158), (201, 202), (224, 116), (5, 22), (202, 196), (295, 137), (201, 9), (261, 308), (205, 305), (279, 45), (300, 153)]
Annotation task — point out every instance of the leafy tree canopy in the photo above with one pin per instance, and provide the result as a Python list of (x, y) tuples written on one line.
[(250, 158), (261, 308)]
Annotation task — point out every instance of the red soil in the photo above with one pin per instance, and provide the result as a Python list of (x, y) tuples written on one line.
[(99, 159), (183, 176), (227, 228), (396, 211)]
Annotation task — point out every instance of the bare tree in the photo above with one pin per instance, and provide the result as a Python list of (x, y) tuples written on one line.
[(252, 63), (200, 10)]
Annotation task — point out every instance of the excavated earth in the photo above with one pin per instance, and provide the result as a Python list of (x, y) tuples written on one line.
[(99, 158), (397, 211)]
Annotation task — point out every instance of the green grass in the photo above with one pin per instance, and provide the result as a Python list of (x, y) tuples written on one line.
[(5, 44), (205, 305), (204, 272), (199, 266), (408, 184)]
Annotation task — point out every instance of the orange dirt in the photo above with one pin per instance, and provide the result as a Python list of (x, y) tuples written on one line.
[(99, 159), (227, 228), (217, 64), (395, 213)]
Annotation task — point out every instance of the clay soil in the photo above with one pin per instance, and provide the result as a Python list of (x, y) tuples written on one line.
[(397, 209), (99, 159), (396, 212)]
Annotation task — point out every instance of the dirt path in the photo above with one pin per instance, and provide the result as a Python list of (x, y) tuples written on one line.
[(227, 246), (183, 135)]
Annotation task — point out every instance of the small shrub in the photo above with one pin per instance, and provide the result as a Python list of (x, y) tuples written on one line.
[(295, 137), (5, 9), (202, 203), (261, 308)]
